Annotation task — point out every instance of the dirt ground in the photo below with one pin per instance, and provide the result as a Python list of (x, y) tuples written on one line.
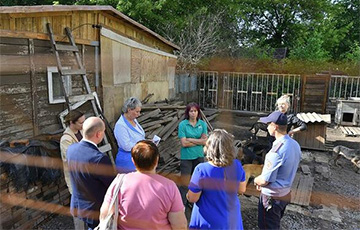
[(335, 199)]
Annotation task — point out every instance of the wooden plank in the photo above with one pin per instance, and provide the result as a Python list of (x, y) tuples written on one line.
[(311, 92), (353, 131), (307, 190), (343, 130), (17, 135), (357, 130), (155, 132), (148, 115), (172, 129), (301, 189), (12, 100), (152, 127), (41, 36), (15, 89), (212, 117), (151, 107), (7, 49), (162, 121), (13, 41), (34, 96), (170, 114), (315, 86), (294, 189), (348, 131), (14, 129), (168, 127)]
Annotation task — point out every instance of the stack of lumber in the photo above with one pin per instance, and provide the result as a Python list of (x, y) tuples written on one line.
[(162, 119)]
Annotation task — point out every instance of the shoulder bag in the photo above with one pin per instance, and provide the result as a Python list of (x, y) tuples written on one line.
[(111, 220)]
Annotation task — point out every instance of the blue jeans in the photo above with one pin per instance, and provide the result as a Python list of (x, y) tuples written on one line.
[(270, 219)]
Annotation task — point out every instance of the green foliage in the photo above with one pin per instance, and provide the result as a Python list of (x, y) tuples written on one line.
[(310, 29), (25, 2), (277, 23), (354, 54), (310, 48), (160, 14)]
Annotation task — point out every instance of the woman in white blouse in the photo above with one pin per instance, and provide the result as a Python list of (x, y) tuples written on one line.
[(128, 132)]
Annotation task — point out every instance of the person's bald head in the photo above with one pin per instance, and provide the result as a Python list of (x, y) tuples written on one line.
[(93, 127)]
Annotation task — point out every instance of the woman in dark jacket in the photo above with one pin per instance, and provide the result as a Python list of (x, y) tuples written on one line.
[(283, 104)]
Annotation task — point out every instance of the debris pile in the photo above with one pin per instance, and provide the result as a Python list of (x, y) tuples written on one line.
[(162, 119)]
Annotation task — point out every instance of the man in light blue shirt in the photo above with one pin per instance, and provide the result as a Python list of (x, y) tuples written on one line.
[(278, 174)]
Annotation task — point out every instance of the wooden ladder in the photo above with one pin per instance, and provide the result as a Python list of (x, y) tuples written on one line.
[(73, 102)]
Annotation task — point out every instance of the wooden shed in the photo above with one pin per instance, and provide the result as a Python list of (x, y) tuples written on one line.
[(314, 137), (122, 57)]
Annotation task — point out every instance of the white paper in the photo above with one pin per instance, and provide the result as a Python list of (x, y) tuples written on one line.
[(156, 139)]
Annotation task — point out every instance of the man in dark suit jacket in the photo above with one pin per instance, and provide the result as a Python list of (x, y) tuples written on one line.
[(91, 173)]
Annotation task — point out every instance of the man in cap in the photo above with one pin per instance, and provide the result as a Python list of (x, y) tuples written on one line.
[(278, 173)]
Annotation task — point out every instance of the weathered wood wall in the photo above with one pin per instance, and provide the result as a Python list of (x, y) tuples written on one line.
[(25, 109), (313, 137), (129, 71), (34, 25)]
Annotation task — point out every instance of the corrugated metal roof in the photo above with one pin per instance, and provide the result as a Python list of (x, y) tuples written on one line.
[(59, 8), (314, 117)]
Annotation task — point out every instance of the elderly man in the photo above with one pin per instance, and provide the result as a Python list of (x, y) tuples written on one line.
[(278, 174), (91, 173)]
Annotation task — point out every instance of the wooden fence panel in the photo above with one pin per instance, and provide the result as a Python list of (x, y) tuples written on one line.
[(314, 93)]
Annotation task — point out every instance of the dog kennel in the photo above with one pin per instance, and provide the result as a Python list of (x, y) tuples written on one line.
[(314, 137), (348, 112)]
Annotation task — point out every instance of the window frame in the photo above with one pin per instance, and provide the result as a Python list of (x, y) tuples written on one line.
[(68, 85)]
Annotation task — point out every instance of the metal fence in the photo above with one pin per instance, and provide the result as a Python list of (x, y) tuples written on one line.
[(208, 85), (343, 87), (248, 91)]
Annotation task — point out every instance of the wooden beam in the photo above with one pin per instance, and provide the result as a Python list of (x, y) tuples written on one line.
[(129, 42), (40, 36), (172, 128), (148, 115), (33, 85)]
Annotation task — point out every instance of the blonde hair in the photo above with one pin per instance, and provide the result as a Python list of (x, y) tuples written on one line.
[(284, 98), (219, 148)]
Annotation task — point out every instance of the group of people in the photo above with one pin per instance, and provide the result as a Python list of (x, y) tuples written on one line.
[(150, 201)]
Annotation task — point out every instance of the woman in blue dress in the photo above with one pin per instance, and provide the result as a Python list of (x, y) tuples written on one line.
[(128, 132), (215, 185)]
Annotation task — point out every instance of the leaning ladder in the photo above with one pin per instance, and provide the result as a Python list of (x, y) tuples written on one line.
[(73, 102)]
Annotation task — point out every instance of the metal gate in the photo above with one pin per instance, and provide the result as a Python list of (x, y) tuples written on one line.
[(208, 86), (253, 91)]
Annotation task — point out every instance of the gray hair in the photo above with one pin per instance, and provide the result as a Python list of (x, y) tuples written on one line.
[(284, 98), (131, 103), (219, 148)]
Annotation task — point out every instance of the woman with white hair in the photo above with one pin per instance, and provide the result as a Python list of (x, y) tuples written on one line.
[(283, 104), (214, 186), (128, 132)]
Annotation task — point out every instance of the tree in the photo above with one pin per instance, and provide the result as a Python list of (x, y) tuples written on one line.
[(198, 39), (346, 24), (200, 28), (310, 49), (277, 23)]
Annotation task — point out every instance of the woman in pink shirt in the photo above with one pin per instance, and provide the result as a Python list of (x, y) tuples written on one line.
[(146, 199)]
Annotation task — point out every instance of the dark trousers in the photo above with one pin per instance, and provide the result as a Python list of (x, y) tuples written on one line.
[(187, 168), (270, 219)]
